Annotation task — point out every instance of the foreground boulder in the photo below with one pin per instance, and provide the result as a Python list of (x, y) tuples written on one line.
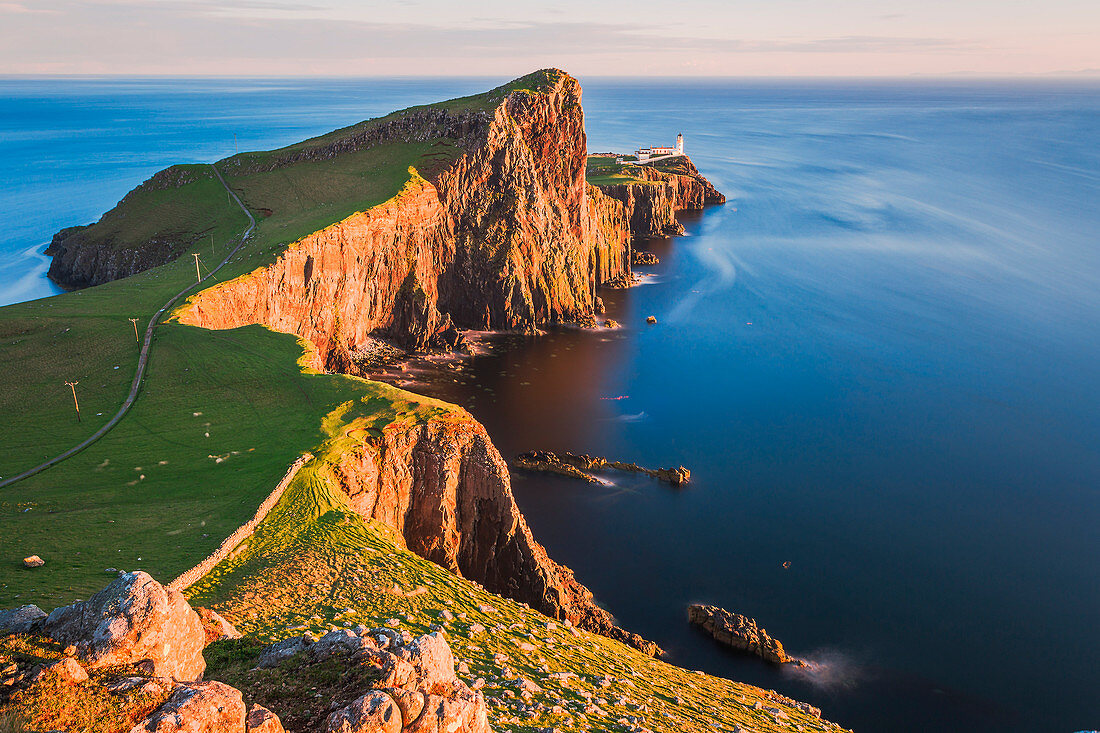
[(200, 707), (409, 685), (22, 620), (133, 620), (215, 627), (739, 632)]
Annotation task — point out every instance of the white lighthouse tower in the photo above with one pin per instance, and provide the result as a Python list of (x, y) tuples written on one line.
[(680, 144)]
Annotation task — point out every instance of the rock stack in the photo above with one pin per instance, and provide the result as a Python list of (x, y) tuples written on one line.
[(739, 632)]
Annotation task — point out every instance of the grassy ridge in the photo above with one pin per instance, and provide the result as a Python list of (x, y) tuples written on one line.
[(314, 564)]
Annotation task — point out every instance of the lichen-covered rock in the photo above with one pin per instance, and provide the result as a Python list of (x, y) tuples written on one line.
[(65, 669), (433, 662), (463, 710), (413, 688), (22, 620), (275, 654), (262, 720), (739, 632), (200, 707), (215, 627), (133, 620), (33, 561), (374, 712)]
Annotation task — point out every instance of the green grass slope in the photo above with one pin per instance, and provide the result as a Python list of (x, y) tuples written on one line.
[(314, 565), (82, 336)]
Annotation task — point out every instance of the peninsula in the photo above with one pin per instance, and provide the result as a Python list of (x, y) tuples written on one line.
[(379, 509)]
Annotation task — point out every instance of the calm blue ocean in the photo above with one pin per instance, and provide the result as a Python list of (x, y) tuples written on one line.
[(881, 361)]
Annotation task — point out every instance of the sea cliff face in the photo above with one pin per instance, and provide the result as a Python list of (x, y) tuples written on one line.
[(507, 236), (651, 207), (445, 488)]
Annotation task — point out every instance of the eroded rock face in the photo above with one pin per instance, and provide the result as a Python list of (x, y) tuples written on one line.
[(134, 619), (739, 632), (445, 488), (508, 236), (199, 707), (651, 207)]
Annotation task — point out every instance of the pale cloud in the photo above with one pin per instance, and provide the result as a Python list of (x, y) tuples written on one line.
[(269, 37)]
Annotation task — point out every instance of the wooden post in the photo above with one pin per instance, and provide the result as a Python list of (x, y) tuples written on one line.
[(198, 277), (134, 321), (72, 385)]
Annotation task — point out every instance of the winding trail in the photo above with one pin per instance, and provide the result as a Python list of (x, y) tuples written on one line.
[(143, 358)]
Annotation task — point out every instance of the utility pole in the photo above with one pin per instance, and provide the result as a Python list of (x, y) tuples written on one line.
[(198, 277), (72, 386), (134, 321), (211, 244)]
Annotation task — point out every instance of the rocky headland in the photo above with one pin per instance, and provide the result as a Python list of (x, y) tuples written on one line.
[(502, 232), (445, 488), (660, 190)]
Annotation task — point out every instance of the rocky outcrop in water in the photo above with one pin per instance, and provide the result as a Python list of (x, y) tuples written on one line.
[(580, 466), (739, 632), (445, 488)]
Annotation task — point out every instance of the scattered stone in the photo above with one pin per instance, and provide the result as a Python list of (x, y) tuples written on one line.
[(262, 720), (199, 707), (641, 257), (651, 319), (215, 627), (33, 561), (66, 669), (610, 323)]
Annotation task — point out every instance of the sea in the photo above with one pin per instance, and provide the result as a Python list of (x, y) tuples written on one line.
[(880, 360)]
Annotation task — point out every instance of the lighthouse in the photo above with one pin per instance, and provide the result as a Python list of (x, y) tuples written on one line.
[(680, 143)]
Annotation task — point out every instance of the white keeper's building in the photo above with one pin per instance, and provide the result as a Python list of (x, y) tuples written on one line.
[(660, 151)]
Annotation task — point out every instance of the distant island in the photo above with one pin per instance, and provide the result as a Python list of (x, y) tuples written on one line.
[(368, 527)]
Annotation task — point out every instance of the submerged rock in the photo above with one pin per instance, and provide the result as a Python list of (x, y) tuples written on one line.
[(739, 632)]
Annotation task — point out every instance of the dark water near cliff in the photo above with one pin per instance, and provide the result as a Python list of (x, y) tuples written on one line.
[(912, 419)]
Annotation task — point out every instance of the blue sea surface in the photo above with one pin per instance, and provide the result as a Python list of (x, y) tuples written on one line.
[(880, 360)]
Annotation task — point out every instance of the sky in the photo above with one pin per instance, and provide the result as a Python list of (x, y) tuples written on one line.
[(585, 37)]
